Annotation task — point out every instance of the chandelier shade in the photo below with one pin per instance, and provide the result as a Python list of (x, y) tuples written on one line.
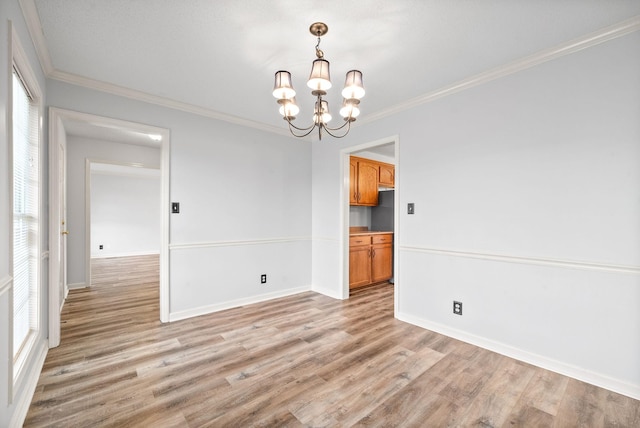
[(353, 87), (289, 108), (322, 114), (350, 108), (283, 88), (319, 79), (319, 82)]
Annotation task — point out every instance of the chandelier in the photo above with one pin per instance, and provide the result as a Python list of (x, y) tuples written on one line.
[(319, 82)]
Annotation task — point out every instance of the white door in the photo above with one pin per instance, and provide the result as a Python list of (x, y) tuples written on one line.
[(57, 224), (62, 192)]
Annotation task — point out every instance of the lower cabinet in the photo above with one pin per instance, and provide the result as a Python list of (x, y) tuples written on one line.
[(370, 259)]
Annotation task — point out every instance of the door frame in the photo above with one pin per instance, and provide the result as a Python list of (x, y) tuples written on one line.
[(344, 210), (56, 126)]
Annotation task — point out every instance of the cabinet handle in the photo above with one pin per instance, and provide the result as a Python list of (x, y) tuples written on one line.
[(373, 253), (369, 252)]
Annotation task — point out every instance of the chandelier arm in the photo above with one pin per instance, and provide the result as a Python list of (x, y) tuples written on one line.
[(346, 122), (306, 131), (337, 129), (300, 129)]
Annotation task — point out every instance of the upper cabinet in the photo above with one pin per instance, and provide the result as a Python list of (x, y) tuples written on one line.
[(386, 174), (363, 182), (365, 176)]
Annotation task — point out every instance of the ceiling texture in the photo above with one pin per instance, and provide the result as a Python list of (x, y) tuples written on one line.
[(218, 58)]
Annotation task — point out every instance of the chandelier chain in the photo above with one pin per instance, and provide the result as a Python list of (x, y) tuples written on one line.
[(319, 52)]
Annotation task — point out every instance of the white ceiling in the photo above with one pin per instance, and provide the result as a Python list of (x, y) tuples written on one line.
[(220, 56)]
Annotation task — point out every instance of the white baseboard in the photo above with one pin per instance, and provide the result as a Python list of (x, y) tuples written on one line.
[(31, 381), (74, 286), (327, 292), (204, 310), (132, 254), (597, 379)]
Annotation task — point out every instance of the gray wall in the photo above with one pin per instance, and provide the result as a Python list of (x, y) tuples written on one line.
[(527, 202), (244, 199), (125, 214)]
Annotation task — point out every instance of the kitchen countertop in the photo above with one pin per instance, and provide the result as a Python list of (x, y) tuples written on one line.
[(369, 232)]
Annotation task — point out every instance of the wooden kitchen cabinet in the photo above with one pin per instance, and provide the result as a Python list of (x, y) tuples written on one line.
[(370, 259), (359, 261), (363, 182), (381, 258), (386, 174)]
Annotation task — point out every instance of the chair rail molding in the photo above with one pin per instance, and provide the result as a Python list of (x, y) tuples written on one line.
[(569, 264)]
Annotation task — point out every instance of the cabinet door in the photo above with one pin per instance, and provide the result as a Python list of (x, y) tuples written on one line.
[(381, 262), (387, 175), (359, 266), (367, 183), (353, 188)]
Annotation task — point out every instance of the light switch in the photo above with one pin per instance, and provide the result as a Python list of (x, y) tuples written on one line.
[(411, 208), (175, 207)]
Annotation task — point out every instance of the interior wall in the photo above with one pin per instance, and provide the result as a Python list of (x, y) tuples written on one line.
[(245, 205), (80, 149), (125, 214), (526, 210)]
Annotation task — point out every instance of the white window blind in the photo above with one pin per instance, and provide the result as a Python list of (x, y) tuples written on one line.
[(25, 214)]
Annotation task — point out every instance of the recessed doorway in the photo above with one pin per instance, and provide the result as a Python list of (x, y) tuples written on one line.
[(375, 221), (63, 126)]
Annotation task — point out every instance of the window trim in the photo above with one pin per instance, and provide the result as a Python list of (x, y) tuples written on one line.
[(20, 62)]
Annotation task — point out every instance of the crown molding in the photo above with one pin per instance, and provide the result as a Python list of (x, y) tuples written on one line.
[(136, 95), (603, 35), (32, 19)]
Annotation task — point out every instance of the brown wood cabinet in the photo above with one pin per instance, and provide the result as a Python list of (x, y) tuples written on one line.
[(386, 174), (363, 182), (365, 176), (381, 257), (370, 259)]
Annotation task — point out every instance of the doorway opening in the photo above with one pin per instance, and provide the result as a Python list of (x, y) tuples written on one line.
[(122, 206), (375, 220), (66, 126)]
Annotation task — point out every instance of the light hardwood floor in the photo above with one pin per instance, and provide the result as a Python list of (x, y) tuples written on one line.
[(303, 360)]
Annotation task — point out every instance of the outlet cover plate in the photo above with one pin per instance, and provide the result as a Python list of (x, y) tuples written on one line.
[(457, 307)]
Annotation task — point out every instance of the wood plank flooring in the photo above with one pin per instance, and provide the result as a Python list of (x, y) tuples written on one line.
[(303, 360)]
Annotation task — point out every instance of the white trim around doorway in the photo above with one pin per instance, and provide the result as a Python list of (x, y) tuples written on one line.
[(56, 117), (344, 217)]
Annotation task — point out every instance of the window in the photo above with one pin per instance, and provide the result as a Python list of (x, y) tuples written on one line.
[(26, 208)]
